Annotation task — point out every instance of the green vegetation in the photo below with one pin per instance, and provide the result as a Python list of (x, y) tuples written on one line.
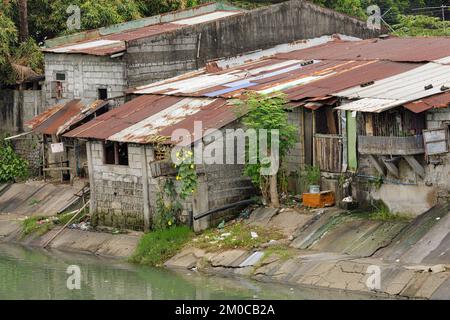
[(186, 173), (382, 213), (421, 26), (40, 225), (267, 113), (312, 175), (234, 236), (37, 225), (158, 246), (12, 166), (166, 211), (282, 252)]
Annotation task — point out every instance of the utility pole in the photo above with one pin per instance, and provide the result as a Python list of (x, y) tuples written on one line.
[(443, 19)]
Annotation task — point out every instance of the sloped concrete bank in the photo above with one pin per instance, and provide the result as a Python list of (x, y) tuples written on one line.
[(71, 240), (334, 250), (40, 198)]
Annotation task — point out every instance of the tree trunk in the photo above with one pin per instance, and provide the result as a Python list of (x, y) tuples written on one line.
[(23, 20), (274, 199)]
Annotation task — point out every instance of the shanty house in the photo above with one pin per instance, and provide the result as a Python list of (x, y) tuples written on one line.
[(403, 136), (103, 63), (319, 81), (129, 163), (62, 157)]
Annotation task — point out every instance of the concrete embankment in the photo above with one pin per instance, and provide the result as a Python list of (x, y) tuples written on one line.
[(335, 250), (329, 248), (37, 198)]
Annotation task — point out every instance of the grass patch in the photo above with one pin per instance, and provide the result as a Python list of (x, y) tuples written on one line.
[(39, 225), (379, 212), (234, 236), (282, 252), (157, 247)]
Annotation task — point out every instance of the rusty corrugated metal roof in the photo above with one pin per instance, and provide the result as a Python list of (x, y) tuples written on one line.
[(116, 42), (437, 101), (427, 80), (153, 118), (416, 49), (61, 118)]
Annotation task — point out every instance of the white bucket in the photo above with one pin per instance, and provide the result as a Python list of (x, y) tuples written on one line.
[(314, 189)]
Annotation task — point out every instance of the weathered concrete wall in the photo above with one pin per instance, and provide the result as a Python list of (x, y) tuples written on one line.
[(85, 74), (411, 194), (118, 190), (17, 107), (164, 56)]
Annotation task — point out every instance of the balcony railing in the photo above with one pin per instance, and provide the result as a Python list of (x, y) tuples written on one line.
[(383, 145)]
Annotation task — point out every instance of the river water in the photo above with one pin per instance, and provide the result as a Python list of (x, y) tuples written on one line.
[(39, 274)]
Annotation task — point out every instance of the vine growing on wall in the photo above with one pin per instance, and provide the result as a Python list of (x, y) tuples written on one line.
[(186, 173), (12, 166), (167, 208)]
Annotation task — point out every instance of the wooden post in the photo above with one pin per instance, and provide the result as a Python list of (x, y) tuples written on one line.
[(92, 202), (144, 165)]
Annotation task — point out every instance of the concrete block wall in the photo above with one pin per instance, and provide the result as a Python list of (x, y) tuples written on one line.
[(118, 190), (17, 107), (85, 74), (170, 54)]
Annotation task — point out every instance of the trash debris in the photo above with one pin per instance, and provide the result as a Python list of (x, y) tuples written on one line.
[(83, 226), (221, 225), (348, 199), (254, 235), (224, 235)]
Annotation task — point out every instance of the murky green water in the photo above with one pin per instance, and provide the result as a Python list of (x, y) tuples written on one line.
[(37, 274)]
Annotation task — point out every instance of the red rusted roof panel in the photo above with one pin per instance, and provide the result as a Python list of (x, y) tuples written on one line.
[(437, 101), (59, 118), (418, 49), (349, 78)]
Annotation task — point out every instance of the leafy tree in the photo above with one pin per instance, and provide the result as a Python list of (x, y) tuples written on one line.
[(268, 112), (11, 165), (421, 26)]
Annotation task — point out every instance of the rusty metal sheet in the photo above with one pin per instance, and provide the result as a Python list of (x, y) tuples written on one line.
[(437, 101), (39, 119), (116, 42), (417, 49), (122, 117), (60, 118), (149, 118), (52, 123)]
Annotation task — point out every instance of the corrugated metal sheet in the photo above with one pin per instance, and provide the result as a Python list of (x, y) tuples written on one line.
[(153, 118), (371, 105), (60, 118), (415, 49), (437, 101), (271, 74), (424, 81), (115, 43)]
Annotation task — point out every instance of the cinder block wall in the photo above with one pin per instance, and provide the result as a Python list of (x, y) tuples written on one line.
[(118, 190), (17, 107), (170, 54), (85, 74)]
